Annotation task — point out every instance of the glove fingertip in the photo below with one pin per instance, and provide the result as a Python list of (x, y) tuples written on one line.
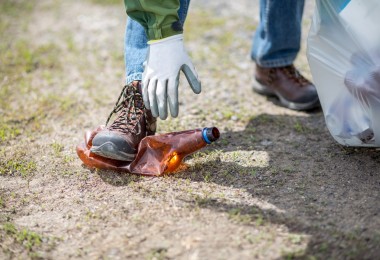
[(174, 113), (192, 78), (163, 117), (196, 85), (154, 113)]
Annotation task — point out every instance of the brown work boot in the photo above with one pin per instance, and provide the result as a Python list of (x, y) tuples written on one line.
[(120, 140), (288, 85)]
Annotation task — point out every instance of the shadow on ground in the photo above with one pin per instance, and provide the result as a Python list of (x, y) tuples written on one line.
[(337, 204)]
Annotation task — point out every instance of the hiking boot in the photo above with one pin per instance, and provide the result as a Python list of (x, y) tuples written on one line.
[(120, 140), (288, 85)]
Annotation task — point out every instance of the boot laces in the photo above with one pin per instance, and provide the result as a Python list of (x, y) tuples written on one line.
[(131, 107), (294, 74)]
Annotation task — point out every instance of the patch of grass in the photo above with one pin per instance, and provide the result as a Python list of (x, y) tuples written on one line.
[(14, 125), (201, 201), (20, 166), (9, 228), (323, 247), (2, 202), (18, 56), (295, 238), (48, 76), (250, 215), (236, 216), (300, 128), (288, 169), (59, 105), (259, 220), (71, 46), (274, 170), (157, 254), (252, 138), (21, 57), (376, 238), (207, 177), (15, 8), (29, 240), (264, 119), (68, 158), (8, 131), (20, 96), (87, 84), (13, 14), (47, 56), (223, 142), (293, 255), (3, 26), (91, 215), (57, 148)]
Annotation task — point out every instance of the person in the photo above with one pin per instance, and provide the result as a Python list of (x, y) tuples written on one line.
[(154, 35)]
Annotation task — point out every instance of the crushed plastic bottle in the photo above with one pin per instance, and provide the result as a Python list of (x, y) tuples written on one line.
[(156, 155)]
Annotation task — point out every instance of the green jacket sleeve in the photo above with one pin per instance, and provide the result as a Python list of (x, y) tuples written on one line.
[(158, 17)]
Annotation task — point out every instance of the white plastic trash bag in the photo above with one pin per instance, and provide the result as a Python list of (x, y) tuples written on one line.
[(344, 57)]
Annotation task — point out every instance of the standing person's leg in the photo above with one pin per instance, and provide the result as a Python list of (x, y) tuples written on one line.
[(135, 50), (120, 140), (277, 38), (275, 46)]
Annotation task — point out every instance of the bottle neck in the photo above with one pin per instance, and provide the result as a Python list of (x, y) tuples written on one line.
[(210, 134)]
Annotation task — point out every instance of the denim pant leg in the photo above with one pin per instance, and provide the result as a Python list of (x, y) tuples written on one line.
[(136, 47), (277, 39)]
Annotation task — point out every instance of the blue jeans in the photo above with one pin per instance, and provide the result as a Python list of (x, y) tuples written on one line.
[(276, 42)]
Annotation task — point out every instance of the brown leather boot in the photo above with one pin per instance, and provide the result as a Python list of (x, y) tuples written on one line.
[(120, 140), (288, 85)]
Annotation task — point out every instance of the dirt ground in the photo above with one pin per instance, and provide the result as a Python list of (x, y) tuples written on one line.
[(275, 186)]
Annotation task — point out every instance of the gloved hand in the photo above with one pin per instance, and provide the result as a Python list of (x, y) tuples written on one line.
[(166, 58)]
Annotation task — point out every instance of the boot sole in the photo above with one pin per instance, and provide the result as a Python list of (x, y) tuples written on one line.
[(110, 150), (264, 90)]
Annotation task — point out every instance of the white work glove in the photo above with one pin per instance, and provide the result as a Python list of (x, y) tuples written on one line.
[(166, 58)]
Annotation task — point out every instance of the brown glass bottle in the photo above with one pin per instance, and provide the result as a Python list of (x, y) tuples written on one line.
[(156, 154)]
